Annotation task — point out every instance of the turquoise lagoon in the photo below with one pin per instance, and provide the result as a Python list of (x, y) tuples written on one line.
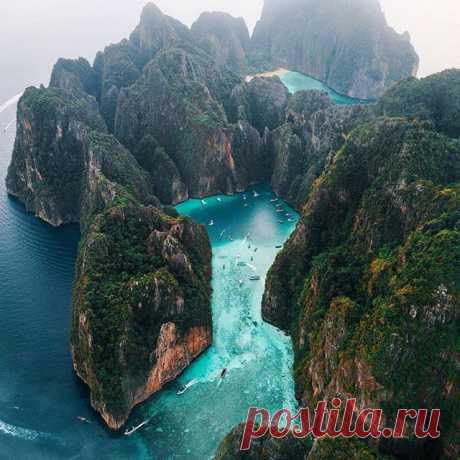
[(295, 81)]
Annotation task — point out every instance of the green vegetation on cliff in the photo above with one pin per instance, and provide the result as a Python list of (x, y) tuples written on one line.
[(138, 269), (368, 284)]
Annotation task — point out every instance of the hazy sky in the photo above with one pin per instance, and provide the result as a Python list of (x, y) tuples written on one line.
[(34, 33)]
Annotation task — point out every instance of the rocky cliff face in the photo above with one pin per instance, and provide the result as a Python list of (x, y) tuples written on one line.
[(182, 92), (141, 305), (346, 44), (50, 182), (262, 102), (225, 38), (301, 147), (368, 283)]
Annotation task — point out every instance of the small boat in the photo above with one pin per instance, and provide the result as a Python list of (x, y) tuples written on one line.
[(184, 388), (211, 223), (134, 429), (246, 205), (203, 202), (224, 371), (255, 250), (241, 264), (223, 268), (255, 194), (288, 214), (254, 278), (290, 219), (230, 238), (244, 197), (222, 234), (274, 200), (255, 323), (282, 221), (240, 282), (219, 200), (83, 419), (279, 246), (279, 210)]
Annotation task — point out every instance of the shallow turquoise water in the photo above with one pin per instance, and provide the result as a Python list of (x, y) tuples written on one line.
[(40, 397), (258, 357), (295, 81)]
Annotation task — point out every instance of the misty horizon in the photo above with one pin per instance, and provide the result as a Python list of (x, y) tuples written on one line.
[(39, 32)]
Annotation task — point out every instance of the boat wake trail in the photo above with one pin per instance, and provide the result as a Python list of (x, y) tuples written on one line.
[(10, 102), (23, 433), (7, 127)]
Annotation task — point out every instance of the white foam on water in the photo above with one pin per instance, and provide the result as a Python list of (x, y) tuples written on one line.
[(22, 433), (10, 102)]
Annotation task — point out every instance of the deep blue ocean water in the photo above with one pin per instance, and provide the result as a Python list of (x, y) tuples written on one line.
[(40, 397), (295, 81)]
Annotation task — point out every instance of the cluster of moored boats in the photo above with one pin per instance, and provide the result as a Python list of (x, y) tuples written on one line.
[(281, 210), (285, 216)]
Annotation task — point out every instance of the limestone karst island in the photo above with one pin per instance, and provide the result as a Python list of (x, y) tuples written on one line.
[(206, 218)]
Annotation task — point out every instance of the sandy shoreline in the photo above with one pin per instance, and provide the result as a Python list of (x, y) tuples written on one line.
[(272, 73)]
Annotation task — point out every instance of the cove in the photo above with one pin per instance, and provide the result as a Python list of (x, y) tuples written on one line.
[(295, 81), (245, 231)]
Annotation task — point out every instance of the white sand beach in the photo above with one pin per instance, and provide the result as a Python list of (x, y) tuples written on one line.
[(272, 73)]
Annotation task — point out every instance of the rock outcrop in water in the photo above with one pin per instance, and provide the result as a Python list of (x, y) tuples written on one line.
[(141, 304), (346, 44), (368, 284)]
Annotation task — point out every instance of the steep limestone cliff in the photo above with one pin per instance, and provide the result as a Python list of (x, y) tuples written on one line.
[(347, 44), (368, 283), (225, 38), (262, 102), (301, 147), (141, 304), (179, 102)]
